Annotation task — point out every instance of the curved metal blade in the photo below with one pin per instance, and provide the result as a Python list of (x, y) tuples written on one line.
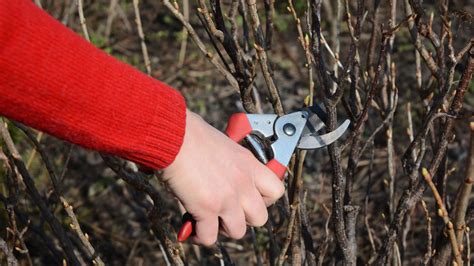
[(319, 111), (311, 142), (316, 120)]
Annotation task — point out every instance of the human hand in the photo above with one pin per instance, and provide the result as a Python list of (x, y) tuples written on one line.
[(220, 183)]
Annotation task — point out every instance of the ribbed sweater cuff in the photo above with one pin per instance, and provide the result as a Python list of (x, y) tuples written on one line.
[(165, 133)]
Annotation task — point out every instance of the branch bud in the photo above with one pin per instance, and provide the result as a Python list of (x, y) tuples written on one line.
[(306, 41), (426, 174), (450, 225), (440, 212)]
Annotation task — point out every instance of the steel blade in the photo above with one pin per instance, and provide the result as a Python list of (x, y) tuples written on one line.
[(311, 142), (316, 120), (319, 111)]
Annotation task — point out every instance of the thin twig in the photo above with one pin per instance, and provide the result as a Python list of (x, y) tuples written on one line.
[(83, 237), (82, 20), (138, 21), (306, 232), (289, 235), (202, 47), (38, 3), (33, 151), (417, 41), (11, 260), (159, 227), (184, 35), (259, 46), (112, 13), (390, 77), (305, 44), (255, 246), (366, 200), (468, 246), (429, 251), (414, 191), (75, 226), (335, 39), (444, 214), (410, 127), (56, 227), (384, 123), (464, 192), (219, 35)]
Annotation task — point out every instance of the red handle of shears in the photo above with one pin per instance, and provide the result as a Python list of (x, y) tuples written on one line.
[(237, 129)]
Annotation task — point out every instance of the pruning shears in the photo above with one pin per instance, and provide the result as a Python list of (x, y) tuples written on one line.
[(273, 139)]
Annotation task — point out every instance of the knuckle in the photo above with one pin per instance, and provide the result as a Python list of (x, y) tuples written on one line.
[(229, 196), (212, 203), (237, 171)]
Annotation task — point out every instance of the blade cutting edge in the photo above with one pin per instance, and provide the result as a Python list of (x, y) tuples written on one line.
[(311, 142)]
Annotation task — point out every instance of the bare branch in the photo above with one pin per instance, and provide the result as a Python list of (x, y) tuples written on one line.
[(15, 157), (138, 21), (212, 58), (82, 19), (262, 57), (11, 260)]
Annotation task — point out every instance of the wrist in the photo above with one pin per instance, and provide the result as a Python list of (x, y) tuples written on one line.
[(189, 127)]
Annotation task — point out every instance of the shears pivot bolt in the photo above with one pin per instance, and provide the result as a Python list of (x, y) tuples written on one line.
[(289, 129)]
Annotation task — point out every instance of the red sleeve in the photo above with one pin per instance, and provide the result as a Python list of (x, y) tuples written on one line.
[(53, 80)]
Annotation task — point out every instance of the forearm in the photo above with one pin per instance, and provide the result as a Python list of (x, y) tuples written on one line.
[(53, 80)]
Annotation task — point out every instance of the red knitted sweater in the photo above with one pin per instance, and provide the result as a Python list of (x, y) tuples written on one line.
[(53, 80)]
